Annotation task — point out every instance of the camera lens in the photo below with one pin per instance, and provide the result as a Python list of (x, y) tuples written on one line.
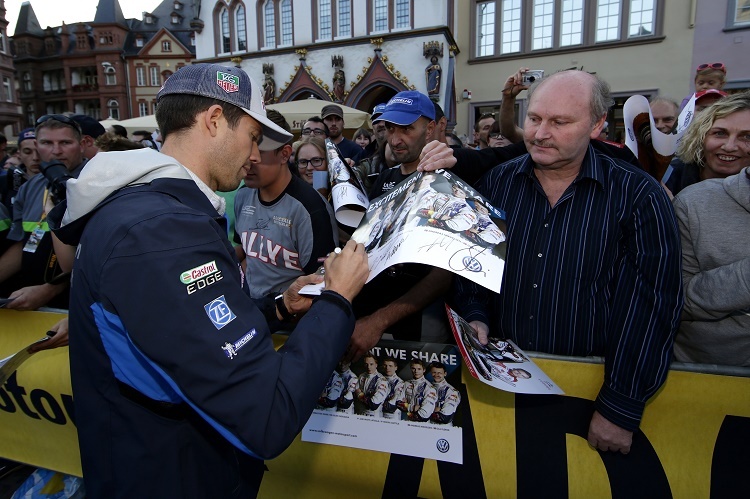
[(532, 79)]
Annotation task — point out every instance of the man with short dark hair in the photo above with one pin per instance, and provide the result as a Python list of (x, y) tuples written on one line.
[(58, 140), (372, 388), (593, 255), (419, 395), (90, 131), (393, 302), (314, 126), (333, 117), (178, 389), (482, 130), (448, 397)]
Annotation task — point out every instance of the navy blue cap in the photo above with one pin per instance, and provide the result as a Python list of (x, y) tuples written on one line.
[(407, 107), (228, 84), (89, 126), (25, 134)]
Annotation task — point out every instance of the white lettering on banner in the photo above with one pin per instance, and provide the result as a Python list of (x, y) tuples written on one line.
[(265, 250)]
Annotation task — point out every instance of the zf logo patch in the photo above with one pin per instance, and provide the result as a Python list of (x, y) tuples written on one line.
[(219, 312)]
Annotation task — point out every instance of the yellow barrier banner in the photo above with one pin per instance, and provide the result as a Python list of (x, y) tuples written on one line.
[(692, 442)]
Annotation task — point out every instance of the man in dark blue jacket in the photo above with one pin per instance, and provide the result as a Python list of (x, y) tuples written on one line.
[(178, 389)]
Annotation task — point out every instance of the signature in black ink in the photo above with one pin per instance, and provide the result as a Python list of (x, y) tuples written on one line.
[(441, 242), (466, 259), (262, 224)]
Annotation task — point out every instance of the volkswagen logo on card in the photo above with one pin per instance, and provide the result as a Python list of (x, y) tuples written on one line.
[(443, 446), (472, 264)]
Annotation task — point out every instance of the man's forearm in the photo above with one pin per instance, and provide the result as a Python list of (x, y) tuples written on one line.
[(10, 261), (429, 289), (507, 119)]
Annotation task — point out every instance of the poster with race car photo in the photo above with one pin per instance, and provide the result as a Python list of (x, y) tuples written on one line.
[(499, 363), (436, 219), (347, 191), (401, 398)]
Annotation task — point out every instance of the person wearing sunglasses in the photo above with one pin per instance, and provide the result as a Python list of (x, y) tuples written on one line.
[(42, 282), (283, 228)]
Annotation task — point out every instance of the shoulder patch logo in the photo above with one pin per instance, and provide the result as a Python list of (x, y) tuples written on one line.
[(231, 349), (196, 273), (219, 312)]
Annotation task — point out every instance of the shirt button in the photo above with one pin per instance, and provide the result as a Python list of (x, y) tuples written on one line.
[(534, 286), (546, 225), (531, 317), (539, 255)]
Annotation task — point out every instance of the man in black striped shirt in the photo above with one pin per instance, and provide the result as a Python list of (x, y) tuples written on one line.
[(593, 261)]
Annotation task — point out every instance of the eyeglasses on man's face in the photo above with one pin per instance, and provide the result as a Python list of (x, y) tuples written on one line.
[(316, 162), (313, 131)]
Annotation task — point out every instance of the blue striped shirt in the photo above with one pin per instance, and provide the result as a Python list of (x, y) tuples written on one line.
[(597, 274)]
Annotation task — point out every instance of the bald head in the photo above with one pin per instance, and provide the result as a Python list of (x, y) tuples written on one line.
[(590, 85)]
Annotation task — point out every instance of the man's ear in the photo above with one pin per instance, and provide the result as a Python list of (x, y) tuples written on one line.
[(87, 141), (598, 127), (286, 153), (211, 118)]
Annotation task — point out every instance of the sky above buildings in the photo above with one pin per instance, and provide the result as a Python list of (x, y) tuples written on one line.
[(54, 12)]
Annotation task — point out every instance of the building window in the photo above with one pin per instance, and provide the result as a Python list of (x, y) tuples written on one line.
[(241, 27), (149, 19), (110, 75), (30, 115), (738, 14), (142, 108), (139, 42), (177, 6), (7, 89), (510, 34), (325, 30), (224, 20), (641, 18), (106, 38), (485, 29), (403, 14), (380, 15), (607, 20), (155, 77), (344, 18), (175, 19), (269, 24), (504, 27), (27, 81), (113, 107), (166, 46), (287, 27), (81, 42), (192, 39), (3, 41), (571, 25), (140, 76)]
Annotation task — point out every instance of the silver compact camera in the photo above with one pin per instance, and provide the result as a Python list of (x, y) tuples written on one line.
[(532, 75)]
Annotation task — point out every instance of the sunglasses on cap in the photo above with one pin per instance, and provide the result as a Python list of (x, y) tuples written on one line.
[(61, 118), (718, 66)]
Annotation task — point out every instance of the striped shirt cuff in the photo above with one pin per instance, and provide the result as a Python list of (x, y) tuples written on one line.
[(619, 409)]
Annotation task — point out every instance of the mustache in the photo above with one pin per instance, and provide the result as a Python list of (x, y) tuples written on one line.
[(542, 143)]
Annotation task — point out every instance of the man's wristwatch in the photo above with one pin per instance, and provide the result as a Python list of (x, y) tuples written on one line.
[(281, 307)]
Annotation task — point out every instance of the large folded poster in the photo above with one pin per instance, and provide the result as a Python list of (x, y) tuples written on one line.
[(388, 402), (436, 219), (347, 191), (499, 363)]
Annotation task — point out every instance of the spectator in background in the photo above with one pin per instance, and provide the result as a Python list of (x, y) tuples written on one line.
[(15, 177), (706, 98), (495, 138), (91, 130), (362, 137), (712, 75), (665, 112), (453, 140), (314, 126), (715, 144), (311, 158), (714, 217), (111, 142), (118, 130), (333, 117), (482, 130), (144, 138), (441, 123)]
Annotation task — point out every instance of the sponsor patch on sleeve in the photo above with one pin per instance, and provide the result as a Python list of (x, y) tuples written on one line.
[(231, 349), (219, 312)]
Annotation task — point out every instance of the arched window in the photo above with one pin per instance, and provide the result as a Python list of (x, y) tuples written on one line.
[(114, 109), (224, 20), (240, 27), (269, 24), (110, 75)]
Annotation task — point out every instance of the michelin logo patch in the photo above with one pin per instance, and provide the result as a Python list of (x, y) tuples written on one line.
[(231, 349), (219, 312)]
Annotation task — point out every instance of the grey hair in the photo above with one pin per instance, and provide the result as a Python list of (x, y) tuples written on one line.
[(690, 149), (601, 95), (666, 100)]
